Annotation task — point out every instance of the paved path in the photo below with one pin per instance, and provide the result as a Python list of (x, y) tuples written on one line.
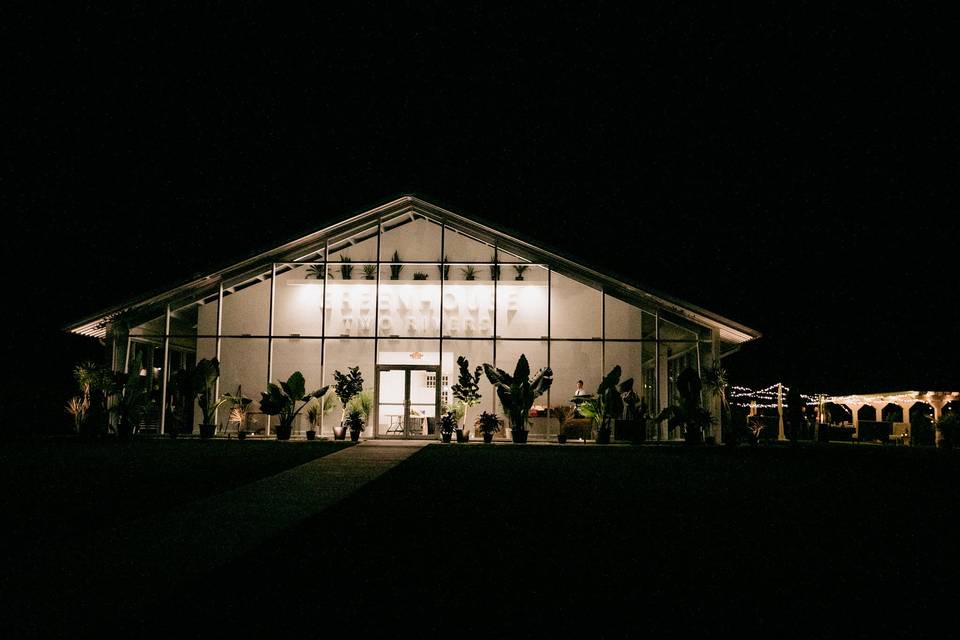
[(163, 550)]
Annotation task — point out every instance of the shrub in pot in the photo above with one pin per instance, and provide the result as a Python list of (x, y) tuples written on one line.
[(355, 423), (239, 409), (518, 392), (347, 385), (467, 389), (204, 383), (448, 423), (488, 424), (688, 415), (604, 407), (281, 400)]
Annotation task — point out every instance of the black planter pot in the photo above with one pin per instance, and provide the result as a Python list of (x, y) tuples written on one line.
[(311, 435), (693, 437), (241, 435), (603, 436), (124, 431), (445, 437), (284, 431), (354, 436), (462, 437), (488, 438), (519, 435), (562, 439), (207, 430), (339, 433)]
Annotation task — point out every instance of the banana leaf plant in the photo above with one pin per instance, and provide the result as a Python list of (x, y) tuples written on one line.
[(606, 406), (205, 375), (518, 392), (687, 415), (281, 400)]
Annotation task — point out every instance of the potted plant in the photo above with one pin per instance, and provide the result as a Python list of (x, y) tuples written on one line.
[(632, 426), (205, 376), (444, 268), (518, 392), (369, 272), (315, 271), (448, 423), (132, 400), (355, 423), (346, 269), (395, 268), (688, 415), (520, 269), (494, 268), (281, 400), (467, 389), (469, 272), (562, 414), (605, 406), (488, 424), (240, 407), (347, 385), (420, 275)]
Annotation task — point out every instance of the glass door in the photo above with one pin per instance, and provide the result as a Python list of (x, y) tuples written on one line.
[(408, 401)]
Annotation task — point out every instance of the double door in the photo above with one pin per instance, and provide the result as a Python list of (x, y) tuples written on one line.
[(408, 401)]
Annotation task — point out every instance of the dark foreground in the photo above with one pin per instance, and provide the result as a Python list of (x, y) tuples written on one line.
[(540, 540)]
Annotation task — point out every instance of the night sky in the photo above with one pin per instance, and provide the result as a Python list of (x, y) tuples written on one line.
[(793, 168)]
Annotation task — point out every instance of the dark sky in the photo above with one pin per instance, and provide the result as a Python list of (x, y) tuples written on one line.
[(793, 167)]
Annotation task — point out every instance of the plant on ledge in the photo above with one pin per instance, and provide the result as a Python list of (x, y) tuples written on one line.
[(281, 400), (469, 272), (494, 268), (205, 376), (420, 275), (444, 268), (520, 269), (395, 268), (488, 424), (605, 406), (315, 271), (369, 272), (238, 411), (346, 269), (346, 386), (518, 392)]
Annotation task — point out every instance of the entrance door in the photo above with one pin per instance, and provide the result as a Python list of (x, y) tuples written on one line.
[(408, 401)]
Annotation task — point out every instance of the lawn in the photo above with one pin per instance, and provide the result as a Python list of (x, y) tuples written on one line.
[(535, 540), (56, 488)]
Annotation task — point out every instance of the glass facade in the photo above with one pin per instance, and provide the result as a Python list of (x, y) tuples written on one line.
[(402, 300)]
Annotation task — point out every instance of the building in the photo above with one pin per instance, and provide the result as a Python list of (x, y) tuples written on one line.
[(401, 291)]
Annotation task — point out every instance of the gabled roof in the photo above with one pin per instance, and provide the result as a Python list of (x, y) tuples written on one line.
[(308, 246)]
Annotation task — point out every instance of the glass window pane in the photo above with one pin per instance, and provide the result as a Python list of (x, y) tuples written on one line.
[(298, 300), (408, 352), (573, 361), (467, 306), (477, 352), (508, 352), (410, 307), (412, 238), (575, 309), (243, 363), (246, 309), (350, 305), (359, 246), (462, 247), (522, 305), (626, 322)]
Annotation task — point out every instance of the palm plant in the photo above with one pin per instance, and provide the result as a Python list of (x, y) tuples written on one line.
[(369, 272), (605, 406), (362, 402), (315, 271), (281, 400), (518, 392), (716, 381), (420, 275), (520, 269), (469, 272)]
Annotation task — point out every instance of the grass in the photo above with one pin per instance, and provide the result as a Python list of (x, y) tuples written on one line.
[(59, 487), (534, 540), (531, 540)]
